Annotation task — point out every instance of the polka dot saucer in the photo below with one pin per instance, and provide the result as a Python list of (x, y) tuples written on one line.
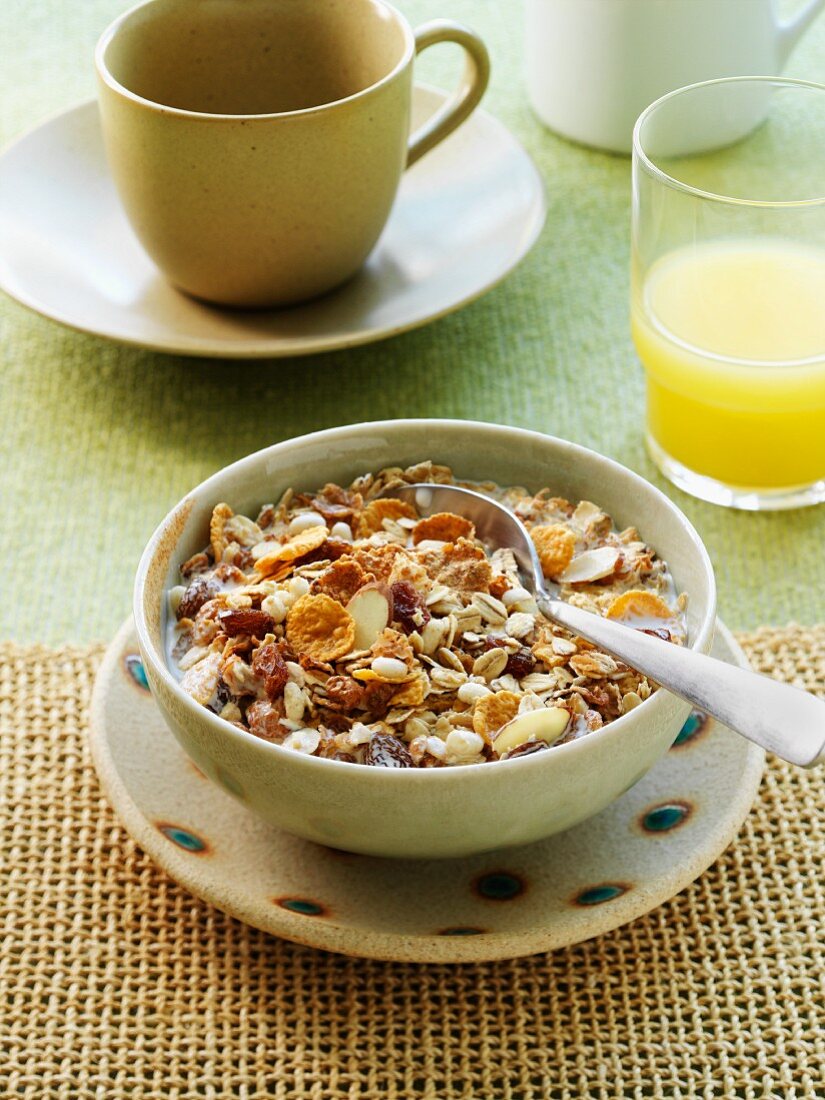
[(640, 851)]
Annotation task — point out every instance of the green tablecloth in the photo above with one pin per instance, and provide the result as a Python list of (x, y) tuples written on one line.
[(97, 441)]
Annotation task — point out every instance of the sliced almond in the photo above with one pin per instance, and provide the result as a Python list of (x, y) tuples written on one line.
[(586, 511), (547, 724), (371, 610), (592, 565)]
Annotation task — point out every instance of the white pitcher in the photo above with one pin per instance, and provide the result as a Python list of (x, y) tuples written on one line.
[(594, 65)]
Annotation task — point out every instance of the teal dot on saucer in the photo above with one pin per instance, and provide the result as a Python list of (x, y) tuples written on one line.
[(301, 905), (659, 819), (461, 932), (184, 839), (500, 886), (695, 724), (597, 895), (134, 666)]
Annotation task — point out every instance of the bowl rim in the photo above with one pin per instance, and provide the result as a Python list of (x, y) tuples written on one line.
[(110, 81), (157, 660)]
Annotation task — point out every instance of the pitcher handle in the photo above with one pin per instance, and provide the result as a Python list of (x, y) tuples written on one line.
[(466, 97), (790, 31)]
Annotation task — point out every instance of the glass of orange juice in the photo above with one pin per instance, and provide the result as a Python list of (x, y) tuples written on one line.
[(728, 288)]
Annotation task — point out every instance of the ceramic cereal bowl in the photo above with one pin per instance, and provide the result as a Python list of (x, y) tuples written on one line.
[(443, 812)]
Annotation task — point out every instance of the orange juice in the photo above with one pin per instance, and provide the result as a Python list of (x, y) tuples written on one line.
[(732, 336)]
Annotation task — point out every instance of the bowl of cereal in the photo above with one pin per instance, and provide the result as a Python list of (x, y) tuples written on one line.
[(380, 681)]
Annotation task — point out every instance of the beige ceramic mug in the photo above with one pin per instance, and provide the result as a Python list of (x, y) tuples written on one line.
[(258, 145)]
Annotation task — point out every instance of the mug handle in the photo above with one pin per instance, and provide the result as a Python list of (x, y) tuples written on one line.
[(466, 97)]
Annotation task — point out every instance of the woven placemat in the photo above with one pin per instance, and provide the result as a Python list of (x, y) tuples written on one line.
[(116, 982)]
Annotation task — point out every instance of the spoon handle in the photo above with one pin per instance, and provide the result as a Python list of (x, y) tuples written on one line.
[(782, 719)]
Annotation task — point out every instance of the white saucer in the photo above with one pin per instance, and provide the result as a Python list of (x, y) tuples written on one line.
[(640, 851), (465, 215)]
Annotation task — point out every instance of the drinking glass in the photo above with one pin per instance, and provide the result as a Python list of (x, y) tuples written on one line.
[(728, 288)]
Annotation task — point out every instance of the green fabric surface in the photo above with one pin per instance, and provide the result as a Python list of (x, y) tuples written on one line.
[(97, 441)]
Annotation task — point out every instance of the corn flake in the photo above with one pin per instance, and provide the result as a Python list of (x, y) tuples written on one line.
[(443, 527), (378, 560), (459, 565), (298, 547), (342, 580), (406, 568), (555, 544), (639, 604), (491, 712), (412, 694), (319, 627)]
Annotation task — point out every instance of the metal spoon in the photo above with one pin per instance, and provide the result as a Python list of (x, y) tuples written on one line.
[(782, 719)]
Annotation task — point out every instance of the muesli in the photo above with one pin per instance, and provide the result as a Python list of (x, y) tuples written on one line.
[(342, 624)]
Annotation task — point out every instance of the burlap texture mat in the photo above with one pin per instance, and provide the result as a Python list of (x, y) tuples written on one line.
[(116, 982)]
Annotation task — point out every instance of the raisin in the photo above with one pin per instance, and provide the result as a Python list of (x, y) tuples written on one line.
[(256, 623), (521, 663), (335, 722), (333, 513), (264, 720), (269, 664), (595, 695), (344, 757), (658, 632), (386, 751), (408, 607), (266, 516), (242, 557), (526, 749), (344, 693), (199, 592), (377, 697)]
